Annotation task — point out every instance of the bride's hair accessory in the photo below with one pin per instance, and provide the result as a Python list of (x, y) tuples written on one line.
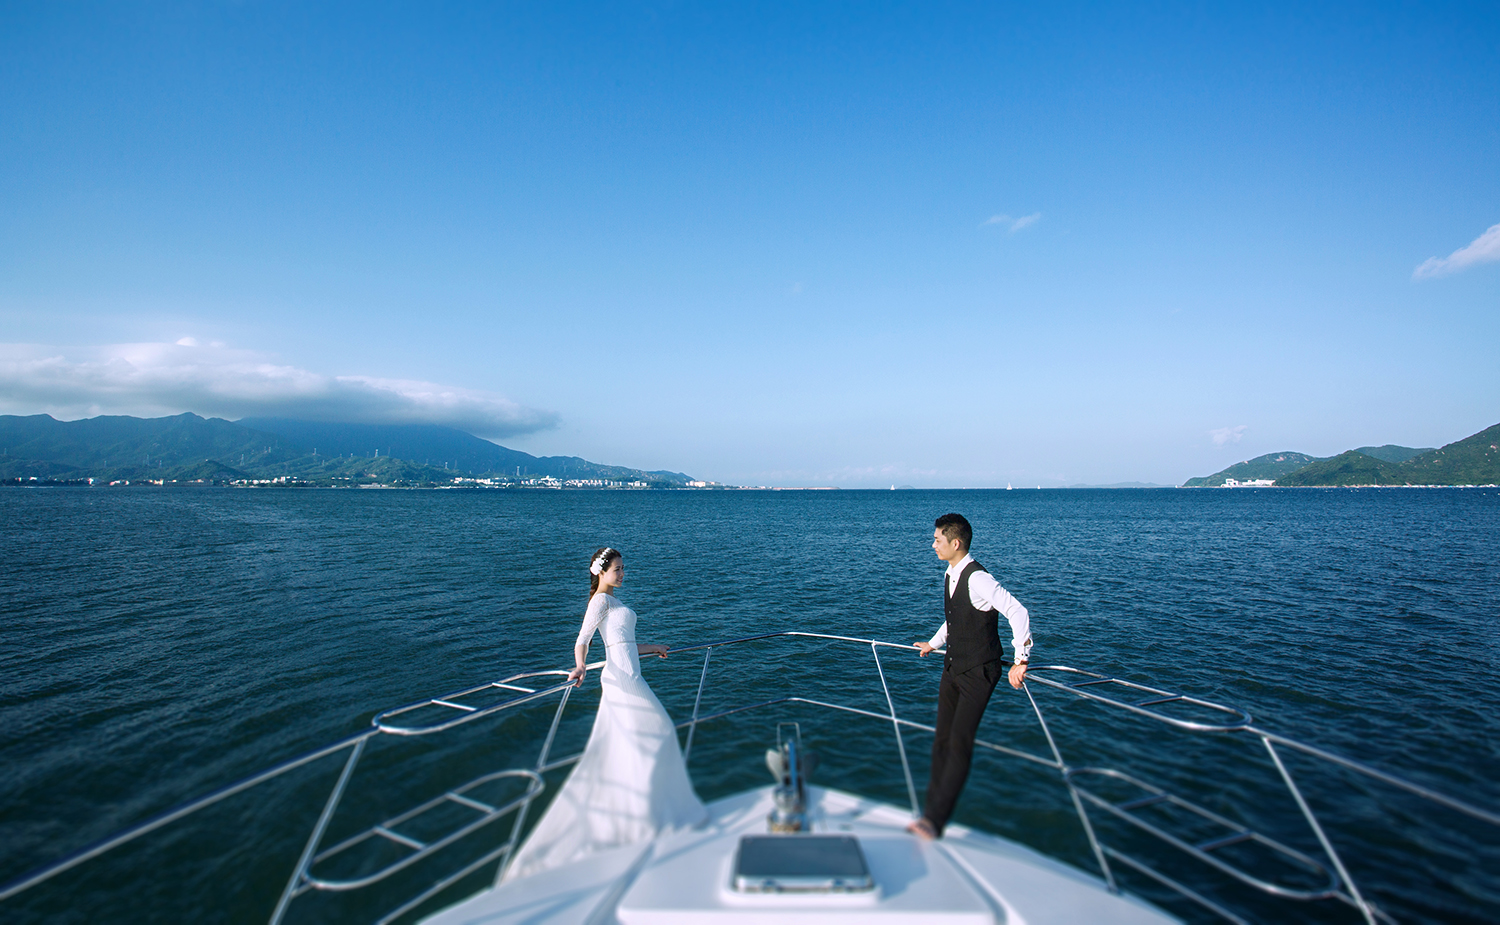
[(597, 566)]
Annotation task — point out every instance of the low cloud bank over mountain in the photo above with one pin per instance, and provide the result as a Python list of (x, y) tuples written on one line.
[(217, 380)]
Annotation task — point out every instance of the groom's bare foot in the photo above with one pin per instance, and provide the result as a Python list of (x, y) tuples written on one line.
[(923, 830)]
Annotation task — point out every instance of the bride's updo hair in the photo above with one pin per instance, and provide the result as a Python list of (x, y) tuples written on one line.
[(599, 564)]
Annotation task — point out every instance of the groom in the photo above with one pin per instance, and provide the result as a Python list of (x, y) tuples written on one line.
[(972, 603)]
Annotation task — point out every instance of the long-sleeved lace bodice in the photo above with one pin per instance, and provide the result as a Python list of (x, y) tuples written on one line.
[(611, 619)]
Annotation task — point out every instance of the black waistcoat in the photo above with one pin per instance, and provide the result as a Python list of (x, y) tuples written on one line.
[(973, 635)]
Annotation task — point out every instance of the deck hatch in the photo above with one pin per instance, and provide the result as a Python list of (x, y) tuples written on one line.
[(801, 864)]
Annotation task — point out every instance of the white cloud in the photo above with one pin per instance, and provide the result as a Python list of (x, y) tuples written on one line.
[(1223, 435), (1011, 224), (1483, 249), (217, 381)]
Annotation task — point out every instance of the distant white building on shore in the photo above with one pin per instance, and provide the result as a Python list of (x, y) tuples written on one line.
[(1249, 483)]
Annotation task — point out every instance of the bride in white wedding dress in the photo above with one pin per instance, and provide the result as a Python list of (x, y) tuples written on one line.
[(631, 782)]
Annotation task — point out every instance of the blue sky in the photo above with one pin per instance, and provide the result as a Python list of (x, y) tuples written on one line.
[(765, 244)]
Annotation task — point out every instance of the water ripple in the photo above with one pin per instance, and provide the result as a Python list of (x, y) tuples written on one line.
[(159, 643)]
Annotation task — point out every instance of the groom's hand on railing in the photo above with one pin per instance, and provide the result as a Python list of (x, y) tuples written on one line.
[(1017, 675), (923, 649)]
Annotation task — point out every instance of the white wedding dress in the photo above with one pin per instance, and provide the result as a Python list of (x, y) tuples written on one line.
[(631, 782)]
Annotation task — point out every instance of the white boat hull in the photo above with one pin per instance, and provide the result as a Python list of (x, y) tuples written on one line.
[(967, 878)]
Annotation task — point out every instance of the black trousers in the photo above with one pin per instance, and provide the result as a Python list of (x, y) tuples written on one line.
[(962, 697)]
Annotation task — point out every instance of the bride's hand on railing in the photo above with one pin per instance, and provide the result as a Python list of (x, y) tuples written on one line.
[(576, 675), (651, 648)]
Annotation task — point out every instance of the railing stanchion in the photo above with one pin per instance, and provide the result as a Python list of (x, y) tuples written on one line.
[(541, 759), (541, 762), (693, 727), (317, 833), (911, 788), (1143, 701), (1083, 816), (1307, 813)]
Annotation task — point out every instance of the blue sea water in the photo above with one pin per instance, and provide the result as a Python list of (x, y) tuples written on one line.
[(159, 643)]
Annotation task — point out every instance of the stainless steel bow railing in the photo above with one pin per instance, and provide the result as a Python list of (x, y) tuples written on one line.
[(460, 708)]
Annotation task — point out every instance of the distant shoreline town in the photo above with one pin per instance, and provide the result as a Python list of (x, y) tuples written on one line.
[(576, 484), (188, 450)]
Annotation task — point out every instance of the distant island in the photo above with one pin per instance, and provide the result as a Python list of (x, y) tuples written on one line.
[(1473, 460), (186, 448)]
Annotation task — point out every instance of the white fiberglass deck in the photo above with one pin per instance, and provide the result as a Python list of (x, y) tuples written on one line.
[(968, 877)]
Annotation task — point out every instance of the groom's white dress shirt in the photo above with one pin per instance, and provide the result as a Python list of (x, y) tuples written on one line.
[(985, 593)]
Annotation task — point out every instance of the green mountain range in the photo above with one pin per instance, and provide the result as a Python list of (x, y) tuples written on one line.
[(1350, 467), (1392, 453), (187, 447), (1471, 461), (1269, 466), (1474, 460)]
